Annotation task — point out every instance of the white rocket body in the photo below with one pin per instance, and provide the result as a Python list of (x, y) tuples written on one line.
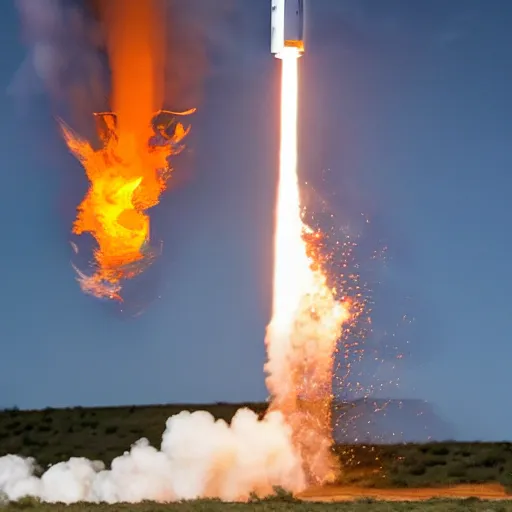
[(287, 26)]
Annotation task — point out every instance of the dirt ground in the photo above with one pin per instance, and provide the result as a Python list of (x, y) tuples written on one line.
[(332, 494)]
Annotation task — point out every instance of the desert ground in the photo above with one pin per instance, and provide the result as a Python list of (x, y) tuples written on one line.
[(433, 476)]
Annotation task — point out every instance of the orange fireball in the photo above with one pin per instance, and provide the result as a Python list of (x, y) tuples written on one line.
[(128, 174)]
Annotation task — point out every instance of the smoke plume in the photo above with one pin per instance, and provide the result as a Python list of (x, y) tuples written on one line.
[(67, 59), (64, 59), (199, 457)]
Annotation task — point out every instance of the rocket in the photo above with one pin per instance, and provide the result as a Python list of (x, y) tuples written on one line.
[(287, 26)]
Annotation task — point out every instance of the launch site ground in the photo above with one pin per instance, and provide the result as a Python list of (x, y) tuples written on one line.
[(470, 472), (357, 505)]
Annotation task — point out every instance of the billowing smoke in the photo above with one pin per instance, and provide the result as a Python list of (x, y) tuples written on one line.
[(199, 457)]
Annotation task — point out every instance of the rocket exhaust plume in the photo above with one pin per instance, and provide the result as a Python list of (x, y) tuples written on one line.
[(129, 172), (306, 318)]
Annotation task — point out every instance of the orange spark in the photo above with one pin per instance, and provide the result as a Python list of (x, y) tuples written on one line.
[(306, 318), (127, 174)]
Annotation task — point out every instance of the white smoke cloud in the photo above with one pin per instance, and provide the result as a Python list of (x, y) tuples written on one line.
[(199, 458)]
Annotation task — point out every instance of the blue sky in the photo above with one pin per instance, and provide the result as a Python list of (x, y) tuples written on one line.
[(406, 122)]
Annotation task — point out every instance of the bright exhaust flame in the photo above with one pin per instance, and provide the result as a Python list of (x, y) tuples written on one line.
[(306, 320), (129, 172)]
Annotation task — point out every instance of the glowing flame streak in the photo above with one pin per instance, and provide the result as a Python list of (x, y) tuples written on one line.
[(306, 319), (290, 258)]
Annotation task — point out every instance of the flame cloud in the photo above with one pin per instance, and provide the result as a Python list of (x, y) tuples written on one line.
[(129, 172)]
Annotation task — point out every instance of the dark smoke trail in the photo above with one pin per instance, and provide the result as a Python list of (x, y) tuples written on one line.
[(64, 59), (67, 60)]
